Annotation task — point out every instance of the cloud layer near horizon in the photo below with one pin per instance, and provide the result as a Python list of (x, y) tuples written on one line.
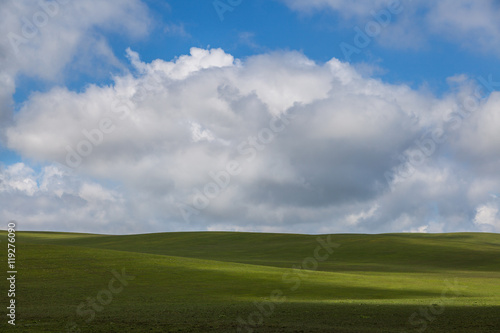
[(292, 146)]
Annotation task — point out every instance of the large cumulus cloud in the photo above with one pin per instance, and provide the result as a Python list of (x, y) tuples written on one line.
[(274, 142)]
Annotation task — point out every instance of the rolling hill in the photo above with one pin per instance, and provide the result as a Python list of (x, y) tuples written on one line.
[(254, 282)]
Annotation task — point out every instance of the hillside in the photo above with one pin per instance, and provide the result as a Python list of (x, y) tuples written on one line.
[(205, 281)]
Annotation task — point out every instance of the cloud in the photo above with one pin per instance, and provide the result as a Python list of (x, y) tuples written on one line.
[(44, 36), (479, 138), (45, 39), (468, 23), (487, 217), (345, 7), (248, 39), (473, 24), (176, 30), (18, 178), (7, 89), (274, 142), (54, 199)]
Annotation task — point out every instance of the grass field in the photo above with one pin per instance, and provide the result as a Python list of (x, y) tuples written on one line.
[(244, 282)]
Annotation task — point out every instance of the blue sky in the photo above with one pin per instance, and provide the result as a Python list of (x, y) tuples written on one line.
[(198, 78)]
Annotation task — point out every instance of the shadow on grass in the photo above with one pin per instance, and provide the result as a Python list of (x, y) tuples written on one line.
[(282, 317)]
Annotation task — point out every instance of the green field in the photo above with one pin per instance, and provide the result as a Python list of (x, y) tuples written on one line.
[(244, 282)]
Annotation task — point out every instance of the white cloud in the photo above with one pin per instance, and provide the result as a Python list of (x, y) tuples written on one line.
[(313, 141), (469, 23), (199, 134), (7, 89), (176, 30), (18, 178), (473, 24), (55, 199), (182, 67), (347, 8), (177, 124), (45, 40), (487, 217), (356, 218), (188, 117), (479, 139)]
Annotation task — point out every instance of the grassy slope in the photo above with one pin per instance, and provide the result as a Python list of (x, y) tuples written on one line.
[(202, 282)]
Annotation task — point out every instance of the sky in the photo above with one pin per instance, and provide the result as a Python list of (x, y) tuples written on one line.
[(294, 116)]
